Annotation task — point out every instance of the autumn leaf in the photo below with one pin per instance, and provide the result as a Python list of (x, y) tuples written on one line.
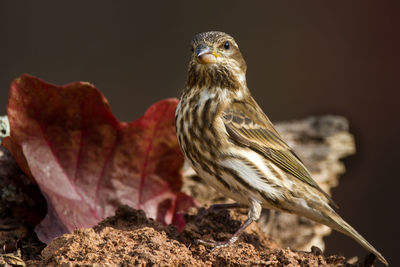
[(86, 162)]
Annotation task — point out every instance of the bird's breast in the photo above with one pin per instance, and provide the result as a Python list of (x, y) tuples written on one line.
[(200, 130)]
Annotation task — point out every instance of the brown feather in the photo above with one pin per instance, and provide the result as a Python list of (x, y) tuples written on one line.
[(248, 126)]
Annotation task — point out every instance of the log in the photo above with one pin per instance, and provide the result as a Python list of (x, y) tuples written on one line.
[(4, 127)]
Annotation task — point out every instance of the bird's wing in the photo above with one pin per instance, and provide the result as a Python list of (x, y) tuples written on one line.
[(248, 126)]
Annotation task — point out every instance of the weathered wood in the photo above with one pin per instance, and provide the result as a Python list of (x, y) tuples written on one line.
[(4, 127)]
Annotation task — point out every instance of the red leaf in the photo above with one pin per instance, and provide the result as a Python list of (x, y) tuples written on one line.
[(86, 162)]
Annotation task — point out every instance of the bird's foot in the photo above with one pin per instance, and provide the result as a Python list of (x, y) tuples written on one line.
[(217, 244), (235, 236)]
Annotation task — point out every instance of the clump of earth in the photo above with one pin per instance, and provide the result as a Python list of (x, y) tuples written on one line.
[(131, 239)]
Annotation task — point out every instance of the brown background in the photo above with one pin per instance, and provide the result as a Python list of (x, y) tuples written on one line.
[(304, 58)]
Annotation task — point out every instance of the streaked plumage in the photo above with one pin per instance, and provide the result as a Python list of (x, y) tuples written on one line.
[(234, 147)]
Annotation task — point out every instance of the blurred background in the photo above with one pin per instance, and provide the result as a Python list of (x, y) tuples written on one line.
[(304, 58)]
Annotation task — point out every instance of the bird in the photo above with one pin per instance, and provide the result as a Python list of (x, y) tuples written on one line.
[(232, 144)]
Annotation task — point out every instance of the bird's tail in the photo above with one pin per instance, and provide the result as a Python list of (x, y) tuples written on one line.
[(336, 222)]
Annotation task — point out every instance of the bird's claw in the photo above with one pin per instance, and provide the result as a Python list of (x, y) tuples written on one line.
[(216, 244)]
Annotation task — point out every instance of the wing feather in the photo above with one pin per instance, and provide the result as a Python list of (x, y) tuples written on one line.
[(248, 126)]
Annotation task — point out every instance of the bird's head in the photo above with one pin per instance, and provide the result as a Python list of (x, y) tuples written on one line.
[(216, 61)]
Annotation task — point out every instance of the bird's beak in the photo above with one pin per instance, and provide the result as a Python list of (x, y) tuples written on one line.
[(205, 55)]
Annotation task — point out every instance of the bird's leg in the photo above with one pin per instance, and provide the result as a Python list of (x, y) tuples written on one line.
[(253, 215), (233, 239)]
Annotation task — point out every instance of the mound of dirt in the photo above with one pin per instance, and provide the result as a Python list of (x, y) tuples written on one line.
[(131, 239)]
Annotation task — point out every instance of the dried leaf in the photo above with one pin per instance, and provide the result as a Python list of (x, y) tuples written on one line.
[(86, 162)]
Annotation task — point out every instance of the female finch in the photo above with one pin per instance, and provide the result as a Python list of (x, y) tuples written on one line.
[(234, 147)]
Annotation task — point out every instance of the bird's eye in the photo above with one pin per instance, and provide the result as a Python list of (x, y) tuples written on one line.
[(227, 45)]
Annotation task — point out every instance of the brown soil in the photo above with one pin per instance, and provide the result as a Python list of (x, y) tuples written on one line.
[(130, 239)]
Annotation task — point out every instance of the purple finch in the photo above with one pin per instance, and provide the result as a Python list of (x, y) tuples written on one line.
[(234, 147)]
